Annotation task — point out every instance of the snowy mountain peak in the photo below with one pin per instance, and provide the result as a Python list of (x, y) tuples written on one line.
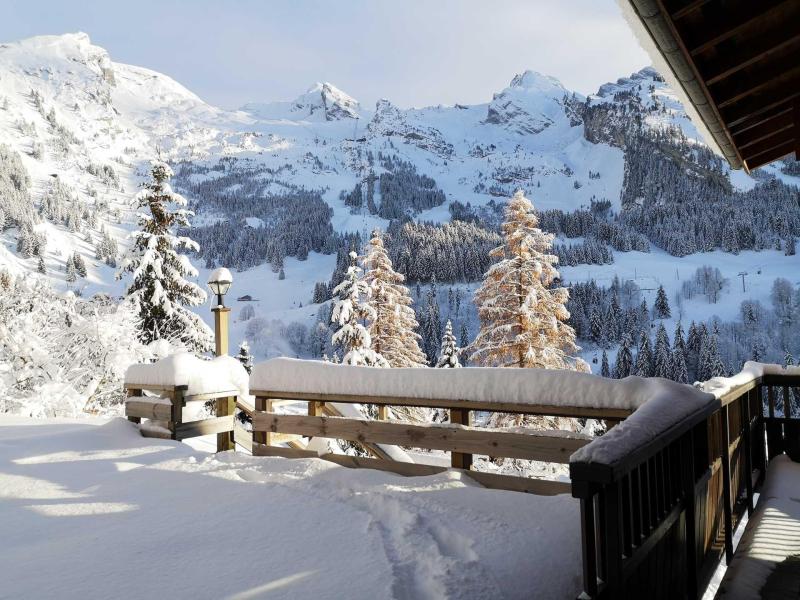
[(531, 80), (529, 105), (47, 53), (325, 100)]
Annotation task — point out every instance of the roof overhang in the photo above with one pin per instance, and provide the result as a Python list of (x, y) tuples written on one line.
[(736, 66)]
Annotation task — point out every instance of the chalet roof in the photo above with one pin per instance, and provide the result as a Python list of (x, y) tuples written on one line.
[(736, 64)]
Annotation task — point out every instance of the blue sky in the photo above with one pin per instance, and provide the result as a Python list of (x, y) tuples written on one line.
[(414, 52)]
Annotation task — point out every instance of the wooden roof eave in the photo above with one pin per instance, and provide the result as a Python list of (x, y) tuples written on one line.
[(660, 41)]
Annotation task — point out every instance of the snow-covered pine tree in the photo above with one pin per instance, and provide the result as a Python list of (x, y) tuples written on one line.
[(159, 290), (661, 306), (678, 370), (245, 357), (72, 276), (523, 318), (710, 364), (448, 357), (41, 266), (624, 363), (644, 357), (350, 310), (393, 324), (605, 371), (464, 336), (663, 355)]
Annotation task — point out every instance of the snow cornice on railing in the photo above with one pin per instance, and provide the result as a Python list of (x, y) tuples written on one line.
[(484, 385), (200, 376), (672, 407)]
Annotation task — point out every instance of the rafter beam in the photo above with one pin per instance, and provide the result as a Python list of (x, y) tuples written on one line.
[(767, 128), (740, 20), (760, 49), (769, 143), (689, 8), (777, 77), (756, 106), (770, 155)]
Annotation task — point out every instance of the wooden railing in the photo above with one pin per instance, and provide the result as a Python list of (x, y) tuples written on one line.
[(457, 437), (168, 407), (656, 522)]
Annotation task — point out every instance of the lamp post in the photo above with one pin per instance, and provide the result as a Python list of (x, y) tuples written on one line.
[(219, 282)]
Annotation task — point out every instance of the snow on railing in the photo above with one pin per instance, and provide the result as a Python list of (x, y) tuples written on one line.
[(200, 376), (475, 384)]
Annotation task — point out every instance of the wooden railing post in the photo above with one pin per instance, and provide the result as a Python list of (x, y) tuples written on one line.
[(176, 396), (612, 531), (726, 484), (130, 393), (263, 437), (459, 460), (225, 407), (760, 436), (688, 480), (748, 451), (585, 492)]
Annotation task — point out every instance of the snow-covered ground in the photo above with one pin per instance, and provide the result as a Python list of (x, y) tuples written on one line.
[(89, 509)]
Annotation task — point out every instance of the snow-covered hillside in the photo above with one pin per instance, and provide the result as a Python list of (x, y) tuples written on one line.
[(322, 165)]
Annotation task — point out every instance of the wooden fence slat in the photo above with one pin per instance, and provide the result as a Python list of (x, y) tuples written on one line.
[(144, 409), (210, 396), (454, 438), (205, 427), (541, 487), (459, 460), (506, 407)]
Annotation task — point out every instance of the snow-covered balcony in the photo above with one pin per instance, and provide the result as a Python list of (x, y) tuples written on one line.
[(658, 496)]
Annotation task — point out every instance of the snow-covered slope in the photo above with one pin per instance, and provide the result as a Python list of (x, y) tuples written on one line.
[(90, 124)]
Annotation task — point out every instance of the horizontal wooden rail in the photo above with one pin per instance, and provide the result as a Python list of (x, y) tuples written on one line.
[(149, 409), (541, 487), (210, 426), (503, 407), (453, 438)]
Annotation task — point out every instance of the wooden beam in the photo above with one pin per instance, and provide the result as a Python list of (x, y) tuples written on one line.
[(689, 8), (142, 409), (760, 48), (768, 81), (243, 437), (460, 416), (542, 487), (757, 105), (226, 407), (507, 407), (210, 396), (767, 128), (766, 118), (204, 427), (796, 113), (770, 155), (453, 438), (736, 20), (770, 143)]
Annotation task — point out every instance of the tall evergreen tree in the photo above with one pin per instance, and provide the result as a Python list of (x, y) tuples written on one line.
[(393, 324), (159, 290), (523, 318), (662, 360), (245, 357), (644, 357), (710, 364), (661, 305), (624, 363), (448, 357), (350, 311), (605, 371)]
